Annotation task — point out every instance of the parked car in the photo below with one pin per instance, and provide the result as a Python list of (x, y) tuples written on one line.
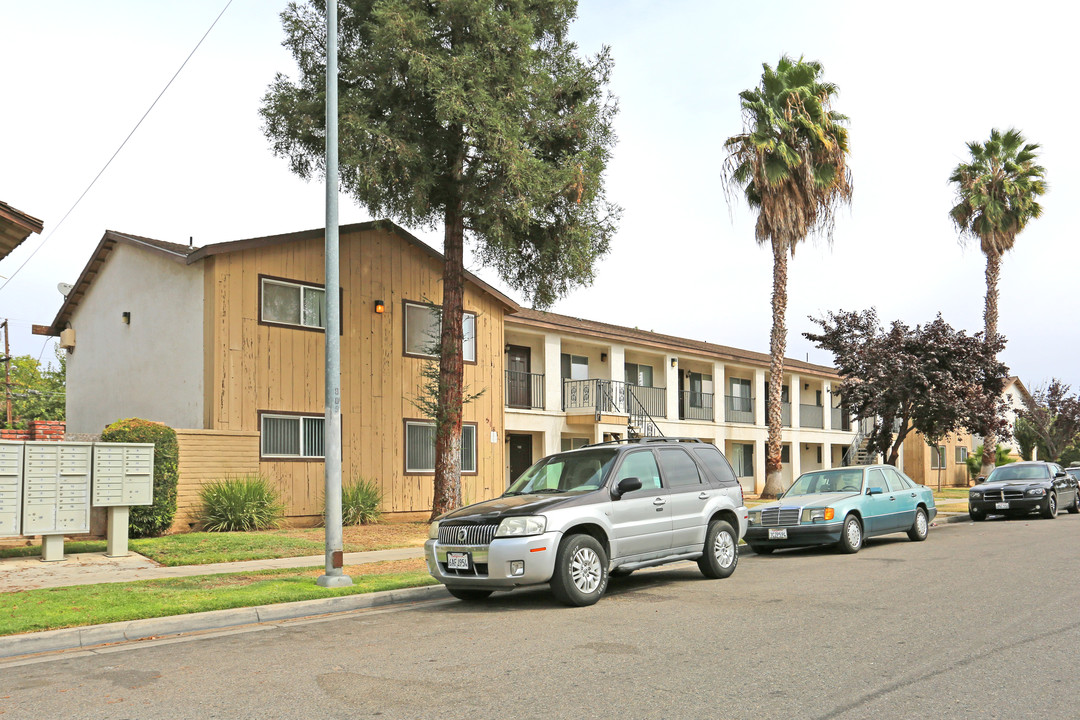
[(1022, 488), (576, 517), (1074, 472), (842, 507)]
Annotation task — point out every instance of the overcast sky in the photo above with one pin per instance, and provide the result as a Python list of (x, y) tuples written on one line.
[(917, 80)]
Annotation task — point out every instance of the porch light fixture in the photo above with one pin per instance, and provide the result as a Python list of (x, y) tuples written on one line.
[(603, 357), (380, 307), (806, 386), (125, 317), (674, 362)]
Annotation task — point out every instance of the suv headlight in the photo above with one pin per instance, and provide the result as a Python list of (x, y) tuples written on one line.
[(433, 530), (1035, 492), (522, 526), (818, 514)]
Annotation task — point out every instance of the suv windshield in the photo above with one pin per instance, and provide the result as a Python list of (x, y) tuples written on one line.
[(578, 471), (1019, 472), (840, 480)]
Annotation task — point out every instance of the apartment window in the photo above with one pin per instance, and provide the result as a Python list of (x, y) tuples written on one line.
[(420, 447), (575, 367), (283, 302), (785, 453), (961, 455), (742, 459), (937, 457), (785, 393), (573, 443), (423, 329), (291, 436), (741, 400), (640, 375)]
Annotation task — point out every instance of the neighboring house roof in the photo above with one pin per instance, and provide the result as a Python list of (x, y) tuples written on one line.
[(15, 226), (187, 255), (565, 323), (1024, 394)]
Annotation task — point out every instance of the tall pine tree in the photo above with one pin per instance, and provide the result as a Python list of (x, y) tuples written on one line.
[(473, 114)]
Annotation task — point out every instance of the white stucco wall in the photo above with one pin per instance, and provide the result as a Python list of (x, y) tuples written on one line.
[(152, 368)]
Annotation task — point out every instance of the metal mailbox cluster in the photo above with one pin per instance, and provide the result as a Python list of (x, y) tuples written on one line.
[(47, 488)]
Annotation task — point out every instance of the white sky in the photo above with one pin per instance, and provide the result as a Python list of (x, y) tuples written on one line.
[(917, 80)]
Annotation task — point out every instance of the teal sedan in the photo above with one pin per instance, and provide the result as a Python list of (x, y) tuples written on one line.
[(842, 507)]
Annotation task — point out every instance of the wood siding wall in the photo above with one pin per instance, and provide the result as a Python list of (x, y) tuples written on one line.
[(206, 456), (253, 367), (917, 461)]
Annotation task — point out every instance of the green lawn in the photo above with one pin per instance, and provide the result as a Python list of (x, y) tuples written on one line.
[(52, 608), (201, 548)]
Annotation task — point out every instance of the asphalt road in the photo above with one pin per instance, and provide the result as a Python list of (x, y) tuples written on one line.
[(979, 621)]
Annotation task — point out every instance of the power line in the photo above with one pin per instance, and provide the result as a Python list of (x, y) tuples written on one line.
[(100, 172)]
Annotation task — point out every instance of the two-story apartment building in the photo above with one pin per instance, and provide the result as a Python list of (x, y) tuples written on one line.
[(224, 343)]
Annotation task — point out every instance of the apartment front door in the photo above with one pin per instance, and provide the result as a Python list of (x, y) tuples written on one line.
[(520, 454), (518, 380)]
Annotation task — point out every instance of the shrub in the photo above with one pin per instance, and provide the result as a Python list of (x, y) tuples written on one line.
[(238, 504), (974, 460), (151, 520), (360, 502)]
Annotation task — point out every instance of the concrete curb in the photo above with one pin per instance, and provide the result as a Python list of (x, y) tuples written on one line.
[(93, 635)]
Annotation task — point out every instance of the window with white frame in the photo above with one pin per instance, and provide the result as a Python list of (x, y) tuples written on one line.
[(420, 447), (640, 375), (937, 457), (291, 436), (423, 329), (292, 303), (961, 454), (742, 459), (574, 367)]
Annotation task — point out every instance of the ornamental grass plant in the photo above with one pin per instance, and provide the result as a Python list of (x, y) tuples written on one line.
[(249, 502), (360, 502)]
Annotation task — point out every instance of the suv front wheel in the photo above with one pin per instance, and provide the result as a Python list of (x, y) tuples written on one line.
[(721, 551), (581, 571)]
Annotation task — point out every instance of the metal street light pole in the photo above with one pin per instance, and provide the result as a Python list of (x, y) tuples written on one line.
[(334, 576)]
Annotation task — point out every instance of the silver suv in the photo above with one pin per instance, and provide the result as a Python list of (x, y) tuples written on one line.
[(575, 518)]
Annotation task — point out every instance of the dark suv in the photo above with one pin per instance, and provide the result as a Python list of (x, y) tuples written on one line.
[(1022, 488), (574, 518)]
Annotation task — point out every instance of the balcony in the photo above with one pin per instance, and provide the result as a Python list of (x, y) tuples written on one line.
[(785, 414), (840, 421), (739, 409), (811, 416), (612, 396), (695, 406), (524, 391)]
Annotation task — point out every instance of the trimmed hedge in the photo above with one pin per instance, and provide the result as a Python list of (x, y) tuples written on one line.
[(151, 520)]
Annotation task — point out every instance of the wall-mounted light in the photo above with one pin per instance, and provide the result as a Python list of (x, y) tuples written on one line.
[(125, 317), (806, 386), (380, 307), (674, 362), (506, 348), (603, 357)]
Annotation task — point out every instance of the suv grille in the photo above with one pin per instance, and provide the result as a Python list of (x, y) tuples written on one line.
[(473, 534), (996, 495), (780, 516)]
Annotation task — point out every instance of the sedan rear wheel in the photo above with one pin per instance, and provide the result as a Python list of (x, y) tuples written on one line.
[(721, 551), (852, 537), (1050, 511), (921, 528)]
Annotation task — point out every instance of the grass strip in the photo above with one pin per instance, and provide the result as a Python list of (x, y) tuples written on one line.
[(53, 608), (201, 548)]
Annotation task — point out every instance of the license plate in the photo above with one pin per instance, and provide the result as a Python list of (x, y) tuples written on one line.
[(780, 534), (457, 561), (1001, 506)]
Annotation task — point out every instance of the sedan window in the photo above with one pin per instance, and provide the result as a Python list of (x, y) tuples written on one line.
[(1019, 472), (876, 478)]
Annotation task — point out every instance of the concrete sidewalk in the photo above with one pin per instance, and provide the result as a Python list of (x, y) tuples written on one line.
[(30, 573)]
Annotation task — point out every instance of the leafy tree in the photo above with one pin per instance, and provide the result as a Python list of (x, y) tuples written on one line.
[(477, 116), (1026, 437), (997, 192), (37, 393), (929, 378), (975, 464), (1053, 415), (790, 165)]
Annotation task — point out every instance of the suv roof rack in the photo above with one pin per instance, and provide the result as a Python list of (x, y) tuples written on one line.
[(647, 441)]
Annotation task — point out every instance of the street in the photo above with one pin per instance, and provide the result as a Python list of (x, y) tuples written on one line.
[(979, 621)]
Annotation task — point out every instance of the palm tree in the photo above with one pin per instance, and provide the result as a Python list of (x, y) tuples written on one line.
[(997, 193), (790, 164)]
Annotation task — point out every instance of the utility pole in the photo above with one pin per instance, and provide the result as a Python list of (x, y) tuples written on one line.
[(334, 576), (7, 371)]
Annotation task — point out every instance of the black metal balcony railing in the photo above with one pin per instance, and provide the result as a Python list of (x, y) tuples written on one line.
[(524, 390), (738, 409), (811, 416), (610, 396), (695, 405)]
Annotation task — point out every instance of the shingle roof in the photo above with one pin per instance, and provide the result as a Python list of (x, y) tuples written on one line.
[(565, 323), (15, 226)]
